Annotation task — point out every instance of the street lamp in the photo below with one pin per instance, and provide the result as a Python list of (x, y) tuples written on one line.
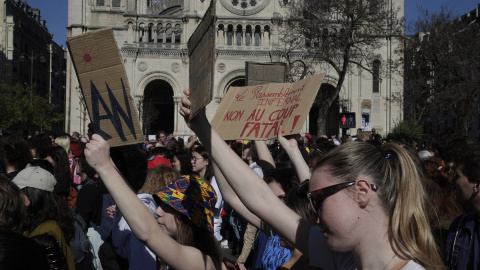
[(32, 57)]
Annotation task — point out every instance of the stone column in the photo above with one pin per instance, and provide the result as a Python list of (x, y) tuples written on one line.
[(176, 101), (234, 38), (137, 35), (154, 30)]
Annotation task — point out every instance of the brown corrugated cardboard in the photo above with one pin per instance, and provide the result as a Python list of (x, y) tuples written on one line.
[(263, 73), (256, 112), (105, 87), (201, 49)]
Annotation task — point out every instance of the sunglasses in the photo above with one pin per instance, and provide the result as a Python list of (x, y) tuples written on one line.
[(316, 197)]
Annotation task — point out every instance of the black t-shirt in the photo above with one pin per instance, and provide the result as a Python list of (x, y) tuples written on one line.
[(62, 187), (89, 203)]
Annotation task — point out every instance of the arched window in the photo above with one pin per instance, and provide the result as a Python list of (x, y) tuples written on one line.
[(150, 32), (373, 6), (257, 35), (239, 35), (178, 33), (248, 35), (221, 35), (115, 3), (160, 32), (169, 32), (157, 110), (101, 3), (376, 76), (142, 32), (308, 40), (266, 36), (230, 35), (130, 33)]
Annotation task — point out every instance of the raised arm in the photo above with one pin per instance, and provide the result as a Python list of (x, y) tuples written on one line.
[(138, 217), (291, 147), (232, 199), (264, 153), (252, 191)]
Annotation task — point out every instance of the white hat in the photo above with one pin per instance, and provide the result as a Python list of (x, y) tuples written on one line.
[(35, 177)]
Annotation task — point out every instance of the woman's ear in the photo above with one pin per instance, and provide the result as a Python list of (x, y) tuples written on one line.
[(363, 192)]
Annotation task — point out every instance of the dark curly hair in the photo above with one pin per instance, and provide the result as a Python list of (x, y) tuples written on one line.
[(60, 158), (41, 143), (185, 158), (86, 168), (441, 191), (285, 177), (12, 206), (42, 163), (201, 150), (44, 205), (17, 153), (468, 161)]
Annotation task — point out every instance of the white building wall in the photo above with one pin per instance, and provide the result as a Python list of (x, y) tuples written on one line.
[(148, 61)]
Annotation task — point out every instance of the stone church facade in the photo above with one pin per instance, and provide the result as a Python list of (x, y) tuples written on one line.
[(152, 37)]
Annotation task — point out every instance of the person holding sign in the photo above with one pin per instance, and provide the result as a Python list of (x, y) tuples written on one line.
[(182, 234), (367, 200)]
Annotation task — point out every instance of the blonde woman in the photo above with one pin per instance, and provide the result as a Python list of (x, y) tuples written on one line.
[(64, 142), (367, 201)]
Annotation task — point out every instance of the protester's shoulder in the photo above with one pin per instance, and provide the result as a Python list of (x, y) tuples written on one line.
[(49, 226), (461, 221), (257, 169), (411, 265), (89, 186), (322, 256), (90, 191), (148, 201)]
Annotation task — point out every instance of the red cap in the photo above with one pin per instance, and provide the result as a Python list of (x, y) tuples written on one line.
[(76, 149), (156, 161), (308, 136)]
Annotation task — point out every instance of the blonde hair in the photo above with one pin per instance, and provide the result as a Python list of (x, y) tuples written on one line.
[(401, 190), (64, 142), (158, 178), (189, 234)]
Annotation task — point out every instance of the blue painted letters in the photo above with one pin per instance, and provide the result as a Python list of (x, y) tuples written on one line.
[(113, 115)]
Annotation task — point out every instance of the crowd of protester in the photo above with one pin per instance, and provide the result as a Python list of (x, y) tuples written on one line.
[(301, 202)]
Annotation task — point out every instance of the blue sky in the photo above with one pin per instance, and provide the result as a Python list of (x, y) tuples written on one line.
[(55, 12)]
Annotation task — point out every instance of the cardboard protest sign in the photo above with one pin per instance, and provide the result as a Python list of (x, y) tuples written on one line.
[(105, 87), (263, 73), (201, 49), (256, 112)]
